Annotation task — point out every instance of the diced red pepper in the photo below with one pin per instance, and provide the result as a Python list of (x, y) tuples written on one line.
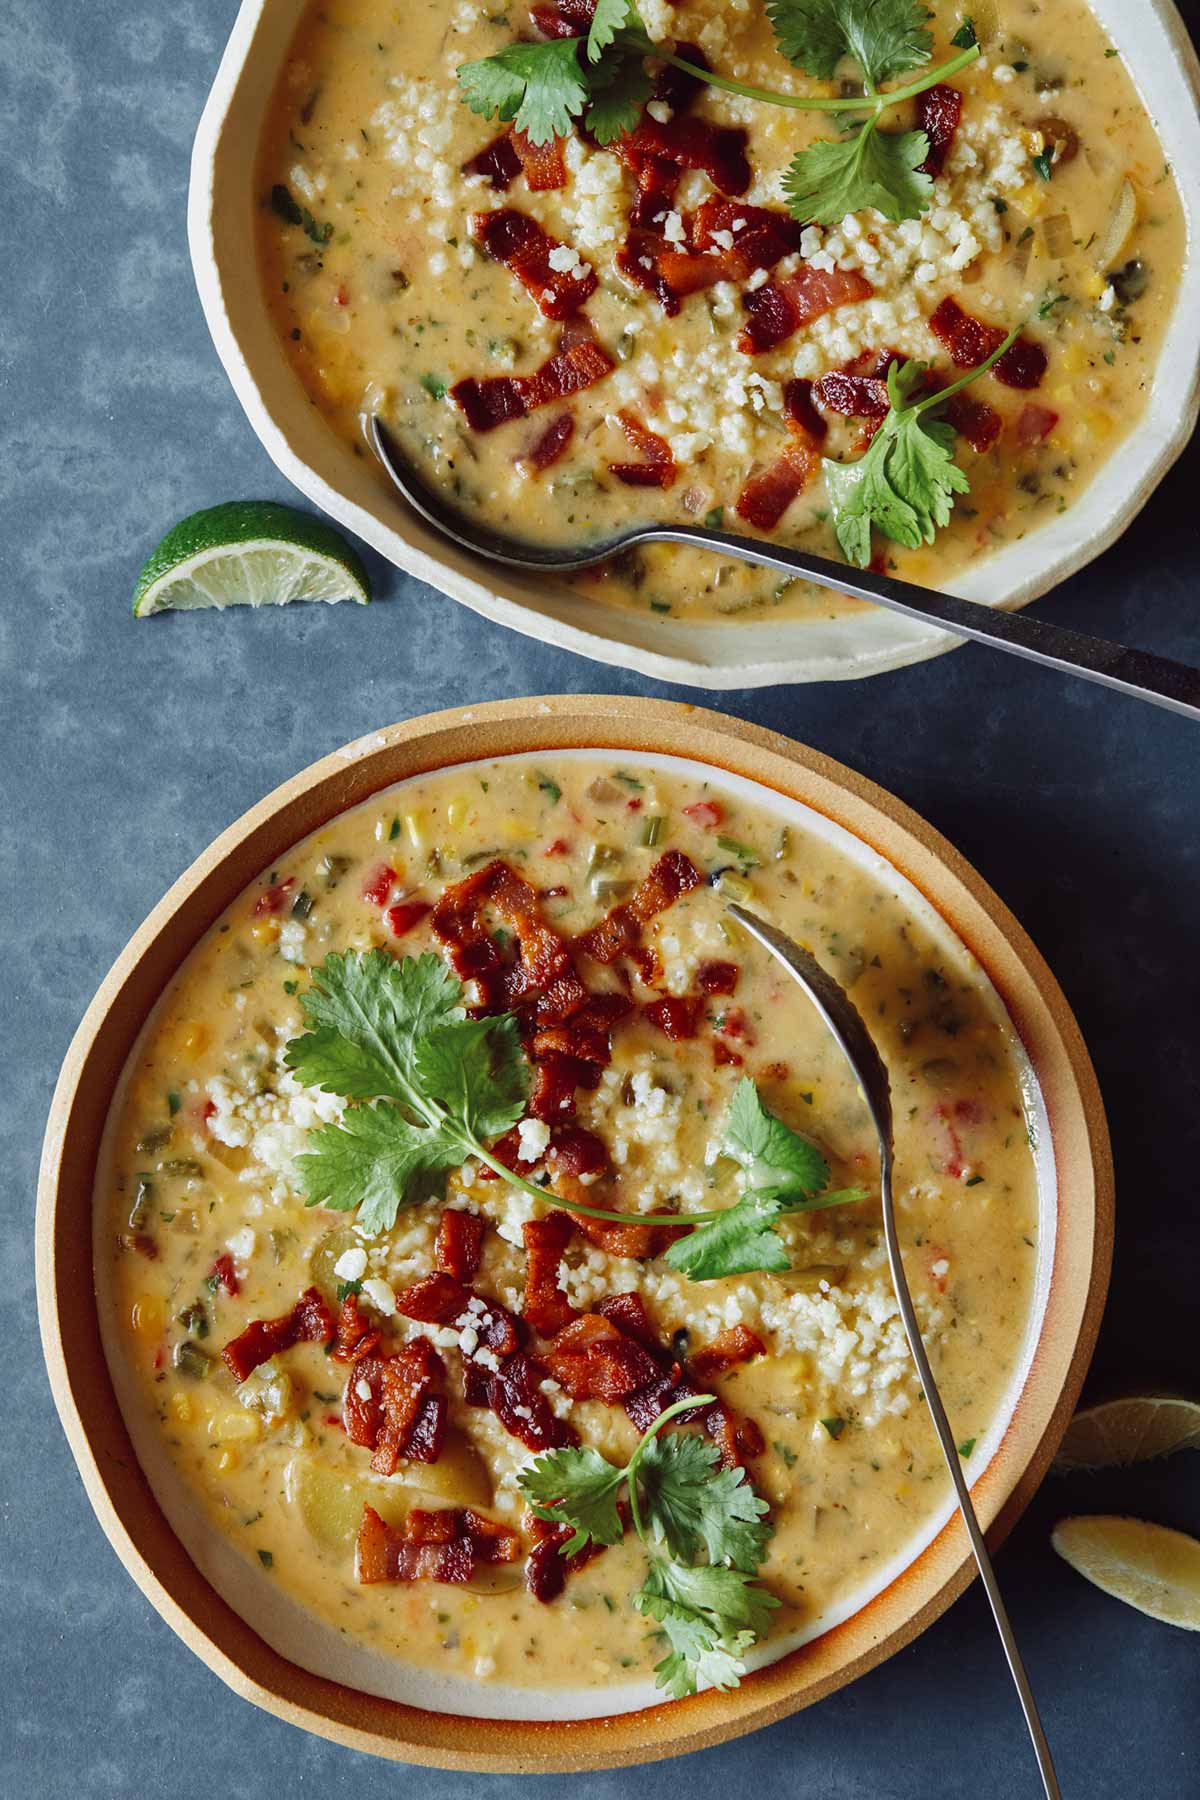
[(939, 110), (402, 918), (707, 813), (224, 1275), (377, 888), (273, 898)]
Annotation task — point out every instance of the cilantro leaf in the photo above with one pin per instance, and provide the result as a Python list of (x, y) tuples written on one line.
[(710, 1616), (375, 1160), (610, 17), (620, 89), (693, 1505), (366, 1013), (540, 87), (871, 168), (737, 1243), (772, 1154), (477, 1070), (965, 38), (576, 1487), (884, 37), (905, 483)]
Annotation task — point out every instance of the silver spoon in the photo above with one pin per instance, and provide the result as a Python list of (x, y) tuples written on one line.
[(858, 1047), (1157, 679)]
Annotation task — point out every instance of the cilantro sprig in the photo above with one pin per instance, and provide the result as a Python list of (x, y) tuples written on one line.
[(601, 79), (784, 1174), (681, 1505), (433, 1088), (904, 485)]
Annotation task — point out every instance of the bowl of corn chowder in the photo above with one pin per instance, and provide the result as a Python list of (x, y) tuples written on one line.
[(653, 326), (460, 1261)]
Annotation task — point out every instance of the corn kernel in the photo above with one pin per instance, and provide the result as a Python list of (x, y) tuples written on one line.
[(228, 1459), (1098, 422), (264, 931), (195, 1037), (1094, 285), (1074, 360), (146, 1317), (182, 1410), (457, 811), (235, 1427), (517, 831)]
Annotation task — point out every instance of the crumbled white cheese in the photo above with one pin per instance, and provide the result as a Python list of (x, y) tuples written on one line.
[(380, 1295), (534, 1140), (351, 1265)]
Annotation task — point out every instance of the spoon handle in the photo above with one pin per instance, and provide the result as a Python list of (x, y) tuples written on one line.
[(1173, 685), (966, 1505)]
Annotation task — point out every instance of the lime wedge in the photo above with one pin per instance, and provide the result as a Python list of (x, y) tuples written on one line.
[(249, 553), (1132, 1430), (1148, 1566)]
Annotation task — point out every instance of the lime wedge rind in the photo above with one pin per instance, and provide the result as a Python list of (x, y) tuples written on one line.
[(1150, 1567), (1135, 1428), (249, 553)]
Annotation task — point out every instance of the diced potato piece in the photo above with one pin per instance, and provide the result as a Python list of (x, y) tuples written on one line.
[(270, 1392), (327, 1252), (459, 1475), (331, 1505), (235, 1427)]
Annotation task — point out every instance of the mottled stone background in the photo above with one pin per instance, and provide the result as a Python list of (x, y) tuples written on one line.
[(126, 748)]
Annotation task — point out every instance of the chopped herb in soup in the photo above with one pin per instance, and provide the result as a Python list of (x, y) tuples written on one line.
[(596, 267), (490, 1236)]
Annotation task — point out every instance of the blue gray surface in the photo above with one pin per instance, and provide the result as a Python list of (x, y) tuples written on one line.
[(125, 748)]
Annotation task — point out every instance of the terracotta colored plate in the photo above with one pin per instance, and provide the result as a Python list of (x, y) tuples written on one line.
[(83, 1393)]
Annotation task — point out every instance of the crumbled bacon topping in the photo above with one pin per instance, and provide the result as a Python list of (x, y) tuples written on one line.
[(620, 932), (563, 18), (511, 237), (737, 1345), (546, 1568), (394, 1405), (690, 143), (309, 1322), (717, 977), (658, 467), (549, 445), (545, 1305), (677, 1016), (498, 398), (1034, 423), (594, 1360), (497, 162), (514, 1393), (743, 238), (975, 420), (799, 408), (431, 1546), (779, 308), (939, 110), (968, 341), (767, 496), (459, 1243)]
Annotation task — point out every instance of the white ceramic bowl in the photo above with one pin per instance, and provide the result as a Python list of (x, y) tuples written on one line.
[(1154, 43)]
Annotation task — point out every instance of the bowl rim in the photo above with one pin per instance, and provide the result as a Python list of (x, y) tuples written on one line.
[(1153, 37), (79, 1378)]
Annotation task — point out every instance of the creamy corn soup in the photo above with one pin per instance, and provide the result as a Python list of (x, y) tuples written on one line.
[(706, 350), (254, 1337)]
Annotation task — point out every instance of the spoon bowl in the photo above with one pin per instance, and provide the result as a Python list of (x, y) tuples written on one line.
[(1173, 685)]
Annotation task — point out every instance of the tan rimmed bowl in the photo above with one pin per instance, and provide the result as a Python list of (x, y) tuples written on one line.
[(844, 644), (1076, 1225)]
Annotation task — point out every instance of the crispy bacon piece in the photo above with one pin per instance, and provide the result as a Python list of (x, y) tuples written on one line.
[(853, 396), (497, 162), (968, 342), (498, 398), (309, 1322), (356, 1336), (619, 933), (663, 269), (545, 1306), (1034, 423), (634, 1240), (676, 1016), (767, 496), (546, 1568), (738, 1439), (799, 409), (690, 143), (412, 1411), (563, 18), (459, 1242), (737, 1345), (594, 1360), (556, 1080), (543, 163), (761, 235), (513, 238), (514, 1394), (549, 445), (658, 469), (975, 420), (779, 308), (717, 977), (586, 1034), (543, 977), (574, 1151), (939, 110), (431, 1546), (435, 1300)]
